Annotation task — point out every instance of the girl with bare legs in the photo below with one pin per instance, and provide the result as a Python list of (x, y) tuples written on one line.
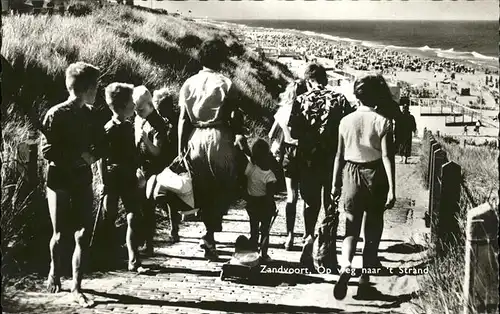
[(289, 162), (368, 180)]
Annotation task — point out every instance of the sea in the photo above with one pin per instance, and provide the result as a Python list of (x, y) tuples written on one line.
[(473, 41)]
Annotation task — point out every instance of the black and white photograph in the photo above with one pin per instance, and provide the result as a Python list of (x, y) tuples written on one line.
[(271, 156)]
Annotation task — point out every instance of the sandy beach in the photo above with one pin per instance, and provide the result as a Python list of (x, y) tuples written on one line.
[(416, 76)]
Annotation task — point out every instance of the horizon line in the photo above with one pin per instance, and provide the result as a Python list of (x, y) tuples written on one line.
[(355, 19)]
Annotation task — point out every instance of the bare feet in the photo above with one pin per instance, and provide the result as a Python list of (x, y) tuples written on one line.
[(82, 300), (53, 284)]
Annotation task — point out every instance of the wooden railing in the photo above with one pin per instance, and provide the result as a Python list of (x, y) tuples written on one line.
[(443, 179), (456, 114), (445, 183)]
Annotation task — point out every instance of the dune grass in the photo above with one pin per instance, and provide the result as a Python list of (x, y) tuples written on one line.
[(479, 168), (128, 44), (442, 288)]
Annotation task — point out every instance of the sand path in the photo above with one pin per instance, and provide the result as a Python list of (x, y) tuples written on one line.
[(183, 282)]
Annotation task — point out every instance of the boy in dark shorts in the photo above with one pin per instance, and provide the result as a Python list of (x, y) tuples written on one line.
[(120, 167), (70, 144)]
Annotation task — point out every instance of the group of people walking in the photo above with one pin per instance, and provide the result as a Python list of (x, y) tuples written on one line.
[(330, 148), (323, 137)]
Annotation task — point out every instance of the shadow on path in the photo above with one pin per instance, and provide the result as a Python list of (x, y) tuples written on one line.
[(405, 248), (419, 260), (235, 220), (394, 301), (188, 257), (233, 307), (279, 272), (158, 269)]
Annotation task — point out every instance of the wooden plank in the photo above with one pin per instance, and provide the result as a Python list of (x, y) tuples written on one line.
[(481, 263), (435, 191), (447, 224)]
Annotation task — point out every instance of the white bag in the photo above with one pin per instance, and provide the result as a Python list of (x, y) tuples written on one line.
[(177, 183), (187, 195), (180, 184)]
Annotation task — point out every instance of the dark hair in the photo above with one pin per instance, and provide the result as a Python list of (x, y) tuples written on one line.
[(316, 72), (372, 90), (259, 148), (213, 53)]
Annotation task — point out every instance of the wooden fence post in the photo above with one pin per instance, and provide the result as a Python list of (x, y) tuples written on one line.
[(481, 264), (433, 147), (435, 190), (432, 142), (447, 227)]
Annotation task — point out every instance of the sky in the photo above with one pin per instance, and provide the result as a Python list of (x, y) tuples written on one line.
[(342, 10)]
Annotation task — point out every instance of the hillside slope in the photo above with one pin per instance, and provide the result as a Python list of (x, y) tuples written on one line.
[(129, 45)]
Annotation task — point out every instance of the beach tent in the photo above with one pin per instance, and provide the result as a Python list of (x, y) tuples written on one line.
[(463, 89)]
